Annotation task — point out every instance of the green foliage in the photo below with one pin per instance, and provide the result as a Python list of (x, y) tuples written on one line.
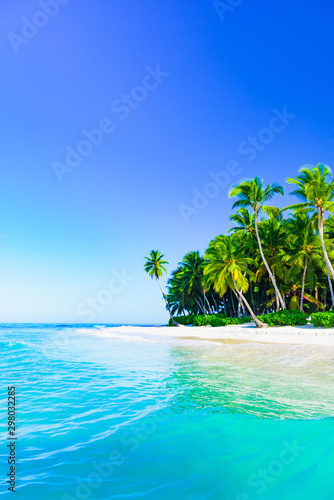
[(284, 318), (294, 304), (281, 318), (219, 319), (182, 320), (269, 257), (227, 264), (200, 320), (239, 321), (155, 265), (325, 319)]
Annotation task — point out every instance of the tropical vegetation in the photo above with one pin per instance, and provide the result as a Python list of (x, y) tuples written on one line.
[(274, 265), (155, 267)]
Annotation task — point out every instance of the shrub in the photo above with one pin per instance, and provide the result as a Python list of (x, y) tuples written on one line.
[(239, 321), (284, 318), (218, 321), (200, 320), (182, 320), (325, 319), (211, 319)]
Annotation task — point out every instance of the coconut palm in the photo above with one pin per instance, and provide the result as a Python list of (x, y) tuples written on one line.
[(155, 267), (176, 296), (303, 253), (226, 267), (252, 193), (191, 275), (244, 221), (316, 190), (273, 238), (245, 224)]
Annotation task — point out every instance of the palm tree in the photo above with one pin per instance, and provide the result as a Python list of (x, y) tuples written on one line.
[(317, 194), (303, 251), (185, 283), (192, 276), (245, 224), (272, 236), (244, 221), (175, 296), (251, 193), (226, 266), (155, 267)]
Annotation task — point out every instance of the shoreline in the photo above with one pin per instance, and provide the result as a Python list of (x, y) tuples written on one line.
[(298, 335)]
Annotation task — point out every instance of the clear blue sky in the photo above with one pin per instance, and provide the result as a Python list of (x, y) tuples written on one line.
[(220, 76)]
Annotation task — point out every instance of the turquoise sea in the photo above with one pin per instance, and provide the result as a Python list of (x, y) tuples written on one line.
[(123, 414)]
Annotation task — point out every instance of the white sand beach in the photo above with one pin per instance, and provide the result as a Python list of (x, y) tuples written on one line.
[(304, 335)]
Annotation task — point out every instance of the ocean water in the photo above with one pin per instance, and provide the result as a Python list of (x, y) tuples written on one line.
[(123, 414)]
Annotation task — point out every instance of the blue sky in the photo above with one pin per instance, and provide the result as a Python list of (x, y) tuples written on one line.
[(197, 86)]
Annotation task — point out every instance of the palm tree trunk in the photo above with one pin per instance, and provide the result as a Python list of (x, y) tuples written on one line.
[(266, 264), (239, 303), (214, 301), (224, 305), (241, 307), (277, 299), (330, 285), (303, 286), (206, 300), (232, 304), (317, 297), (170, 312), (328, 262), (199, 305), (252, 297), (258, 323)]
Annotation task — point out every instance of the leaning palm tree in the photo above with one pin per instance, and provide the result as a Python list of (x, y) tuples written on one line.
[(252, 193), (317, 193), (155, 267), (273, 233), (226, 266), (303, 252)]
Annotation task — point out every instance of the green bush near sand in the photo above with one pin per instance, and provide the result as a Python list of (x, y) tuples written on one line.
[(280, 318), (325, 319), (182, 320), (211, 319), (217, 320), (285, 318)]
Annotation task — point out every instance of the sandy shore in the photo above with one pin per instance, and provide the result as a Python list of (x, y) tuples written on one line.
[(304, 335)]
